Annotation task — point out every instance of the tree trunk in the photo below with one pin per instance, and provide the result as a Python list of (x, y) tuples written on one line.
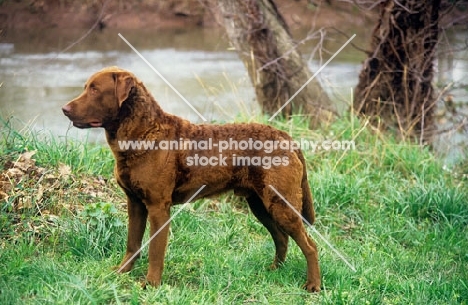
[(275, 66), (395, 83)]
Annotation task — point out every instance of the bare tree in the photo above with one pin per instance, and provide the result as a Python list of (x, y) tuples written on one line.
[(275, 66), (395, 83)]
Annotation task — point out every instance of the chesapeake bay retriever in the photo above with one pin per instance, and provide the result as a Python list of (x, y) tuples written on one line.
[(155, 179)]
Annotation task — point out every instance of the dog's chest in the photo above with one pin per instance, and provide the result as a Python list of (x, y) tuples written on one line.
[(145, 175), (128, 180)]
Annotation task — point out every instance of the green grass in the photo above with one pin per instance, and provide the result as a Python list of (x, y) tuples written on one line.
[(388, 206)]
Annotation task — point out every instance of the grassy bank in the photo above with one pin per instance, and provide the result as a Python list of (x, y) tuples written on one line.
[(389, 207)]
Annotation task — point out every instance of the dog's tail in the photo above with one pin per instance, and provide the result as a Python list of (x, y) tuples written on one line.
[(307, 202)]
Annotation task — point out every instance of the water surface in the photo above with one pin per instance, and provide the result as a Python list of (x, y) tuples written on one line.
[(37, 77)]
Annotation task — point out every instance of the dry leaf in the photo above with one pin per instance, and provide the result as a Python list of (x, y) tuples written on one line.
[(27, 155), (64, 170), (14, 173), (50, 177), (40, 192), (25, 162), (24, 202), (5, 186), (3, 196)]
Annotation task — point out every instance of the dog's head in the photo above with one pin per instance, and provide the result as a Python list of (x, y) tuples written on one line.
[(103, 94)]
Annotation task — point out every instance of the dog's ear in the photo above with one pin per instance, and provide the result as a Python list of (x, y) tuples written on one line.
[(124, 82)]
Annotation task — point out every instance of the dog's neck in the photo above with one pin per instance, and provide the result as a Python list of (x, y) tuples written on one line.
[(140, 119)]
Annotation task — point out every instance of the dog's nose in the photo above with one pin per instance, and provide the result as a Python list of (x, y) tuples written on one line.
[(66, 109)]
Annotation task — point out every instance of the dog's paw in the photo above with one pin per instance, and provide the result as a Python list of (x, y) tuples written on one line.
[(312, 286), (151, 281), (276, 264), (273, 266), (122, 268)]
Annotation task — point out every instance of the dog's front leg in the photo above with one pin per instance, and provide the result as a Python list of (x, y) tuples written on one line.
[(159, 227), (137, 215)]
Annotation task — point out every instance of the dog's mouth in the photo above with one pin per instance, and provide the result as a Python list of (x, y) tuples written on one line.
[(80, 122), (92, 124)]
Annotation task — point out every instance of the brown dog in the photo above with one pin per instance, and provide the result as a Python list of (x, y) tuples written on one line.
[(157, 178)]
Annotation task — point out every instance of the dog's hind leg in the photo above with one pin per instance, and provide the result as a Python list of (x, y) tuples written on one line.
[(280, 238), (292, 224)]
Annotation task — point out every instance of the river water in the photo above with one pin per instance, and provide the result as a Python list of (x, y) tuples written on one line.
[(37, 77)]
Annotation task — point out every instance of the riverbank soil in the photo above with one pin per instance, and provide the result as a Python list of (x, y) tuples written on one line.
[(148, 14)]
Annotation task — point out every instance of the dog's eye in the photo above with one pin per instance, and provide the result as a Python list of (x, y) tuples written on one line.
[(93, 89)]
